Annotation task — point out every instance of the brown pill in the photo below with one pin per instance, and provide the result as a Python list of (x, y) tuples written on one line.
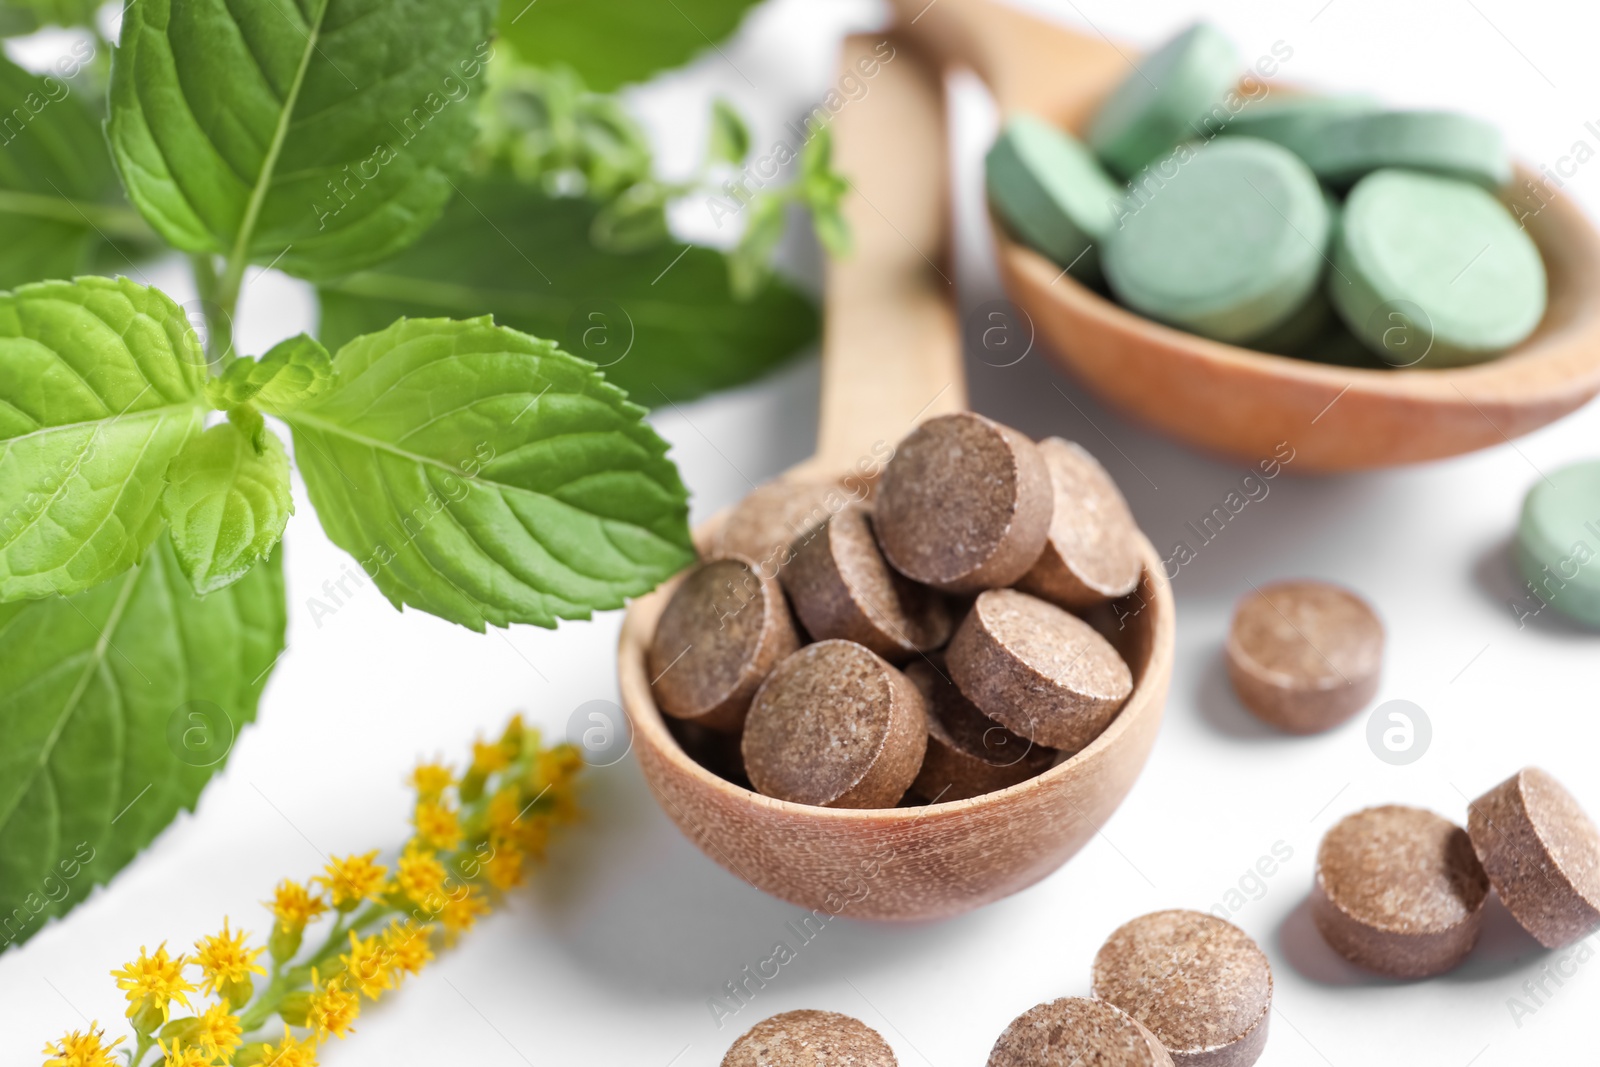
[(964, 504), (1200, 984), (763, 525), (1092, 552), (1399, 891), (1041, 671), (1542, 854), (841, 587), (810, 1039), (723, 630), (835, 725), (1077, 1032), (969, 754), (1305, 655)]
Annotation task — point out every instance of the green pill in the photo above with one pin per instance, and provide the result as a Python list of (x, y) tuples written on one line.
[(1558, 541), (1433, 272), (1052, 193), (1439, 142), (1229, 246), (1167, 99), (1296, 122)]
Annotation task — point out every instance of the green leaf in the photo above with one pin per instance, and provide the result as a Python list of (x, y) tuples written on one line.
[(117, 705), (226, 503), (100, 386), (633, 222), (613, 42), (324, 132), (664, 328), (292, 371), (21, 17), (750, 262), (60, 207), (486, 476), (730, 138)]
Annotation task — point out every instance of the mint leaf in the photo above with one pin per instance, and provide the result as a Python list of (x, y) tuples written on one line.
[(730, 137), (487, 477), (613, 42), (226, 503), (662, 327), (324, 132), (21, 17), (291, 371), (100, 386), (117, 705)]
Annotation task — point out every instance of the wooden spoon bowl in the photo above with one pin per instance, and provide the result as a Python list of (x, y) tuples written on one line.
[(1235, 401), (891, 356)]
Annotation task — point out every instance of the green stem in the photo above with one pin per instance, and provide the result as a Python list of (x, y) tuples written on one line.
[(112, 220), (136, 1056), (219, 307)]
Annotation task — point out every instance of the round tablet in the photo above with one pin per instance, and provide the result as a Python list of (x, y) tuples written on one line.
[(836, 726), (1092, 552), (1052, 193), (810, 1039), (1434, 272), (1229, 247), (1077, 1032), (766, 523), (969, 754), (842, 587), (1558, 539), (1301, 331), (964, 505), (1439, 142), (1041, 671), (1304, 655), (1542, 855), (1399, 891), (1296, 122), (724, 628), (1168, 98), (1201, 985)]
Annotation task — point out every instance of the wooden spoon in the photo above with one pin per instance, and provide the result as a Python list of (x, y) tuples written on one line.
[(1232, 400), (891, 357)]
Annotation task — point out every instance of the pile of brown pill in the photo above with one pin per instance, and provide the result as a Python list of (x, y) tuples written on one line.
[(1401, 891), (1169, 988), (925, 643)]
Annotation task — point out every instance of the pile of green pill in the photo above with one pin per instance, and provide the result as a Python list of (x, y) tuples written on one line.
[(1324, 227)]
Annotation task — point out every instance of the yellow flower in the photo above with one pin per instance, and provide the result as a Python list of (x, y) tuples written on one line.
[(153, 982), (512, 738), (293, 905), (504, 868), (431, 779), (224, 960), (407, 944), (438, 825), (421, 876), (488, 757), (81, 1049), (218, 1032), (290, 1052), (177, 1056), (368, 965), (353, 879), (461, 911), (502, 812), (333, 1009)]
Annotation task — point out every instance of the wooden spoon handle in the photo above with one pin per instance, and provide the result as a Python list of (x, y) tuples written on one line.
[(1029, 64), (891, 350)]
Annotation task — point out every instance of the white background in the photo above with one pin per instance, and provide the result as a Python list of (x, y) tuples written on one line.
[(610, 957)]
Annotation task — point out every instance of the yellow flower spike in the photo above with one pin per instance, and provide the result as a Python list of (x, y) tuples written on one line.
[(421, 876), (178, 1056), (407, 944), (290, 1052), (353, 879), (218, 1032), (333, 1008), (86, 1048), (225, 961), (512, 738), (503, 810), (488, 757), (152, 983), (294, 905), (504, 868), (438, 825), (367, 964), (430, 780), (461, 911)]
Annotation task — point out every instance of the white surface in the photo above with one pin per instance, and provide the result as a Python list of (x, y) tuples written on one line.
[(611, 957)]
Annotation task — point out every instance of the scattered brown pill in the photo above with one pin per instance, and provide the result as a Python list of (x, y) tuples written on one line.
[(1037, 669), (1305, 655), (764, 525), (810, 1039), (969, 754), (837, 726), (1077, 1032), (1202, 986), (1542, 855), (1092, 552), (964, 505), (1399, 891), (723, 630), (842, 587)]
